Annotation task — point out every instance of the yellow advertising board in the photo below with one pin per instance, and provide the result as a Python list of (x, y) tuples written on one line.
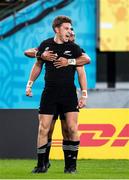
[(104, 134), (114, 25)]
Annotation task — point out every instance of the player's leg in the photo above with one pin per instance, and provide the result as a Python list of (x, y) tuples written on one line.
[(70, 147), (64, 127), (72, 125), (42, 140), (47, 108), (47, 162), (66, 142), (69, 134)]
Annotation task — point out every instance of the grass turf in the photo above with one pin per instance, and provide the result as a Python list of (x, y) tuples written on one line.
[(87, 169)]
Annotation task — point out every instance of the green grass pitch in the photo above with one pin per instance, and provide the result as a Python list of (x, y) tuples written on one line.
[(87, 169)]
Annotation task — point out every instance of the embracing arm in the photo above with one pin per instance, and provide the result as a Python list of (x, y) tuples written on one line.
[(83, 59), (46, 55), (62, 62)]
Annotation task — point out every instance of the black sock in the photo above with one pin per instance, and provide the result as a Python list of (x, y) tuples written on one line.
[(48, 151), (67, 154), (70, 149), (41, 152), (74, 146)]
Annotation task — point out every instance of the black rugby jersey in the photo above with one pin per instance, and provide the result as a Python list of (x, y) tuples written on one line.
[(64, 75)]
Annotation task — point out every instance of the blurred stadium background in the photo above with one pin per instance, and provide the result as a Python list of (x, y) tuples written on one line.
[(101, 28)]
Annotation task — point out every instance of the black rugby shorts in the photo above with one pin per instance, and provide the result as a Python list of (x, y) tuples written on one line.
[(54, 97), (59, 113)]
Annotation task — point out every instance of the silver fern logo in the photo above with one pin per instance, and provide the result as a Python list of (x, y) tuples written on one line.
[(68, 53)]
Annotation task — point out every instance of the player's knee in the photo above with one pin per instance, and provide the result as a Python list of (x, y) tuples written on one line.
[(72, 129), (43, 130)]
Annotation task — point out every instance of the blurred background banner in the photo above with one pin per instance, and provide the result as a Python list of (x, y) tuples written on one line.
[(114, 25), (15, 67)]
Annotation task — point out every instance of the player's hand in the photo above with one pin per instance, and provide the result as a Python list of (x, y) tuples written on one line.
[(81, 102), (29, 92), (61, 62), (49, 56)]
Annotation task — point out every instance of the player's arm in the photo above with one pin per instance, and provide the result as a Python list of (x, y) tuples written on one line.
[(35, 53), (82, 60), (35, 72), (31, 52), (83, 85)]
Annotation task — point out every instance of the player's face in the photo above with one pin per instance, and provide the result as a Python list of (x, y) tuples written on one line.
[(64, 32)]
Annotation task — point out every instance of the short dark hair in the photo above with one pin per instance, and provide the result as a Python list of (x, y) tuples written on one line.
[(59, 20)]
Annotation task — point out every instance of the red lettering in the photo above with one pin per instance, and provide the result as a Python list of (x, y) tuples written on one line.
[(87, 138), (123, 133)]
